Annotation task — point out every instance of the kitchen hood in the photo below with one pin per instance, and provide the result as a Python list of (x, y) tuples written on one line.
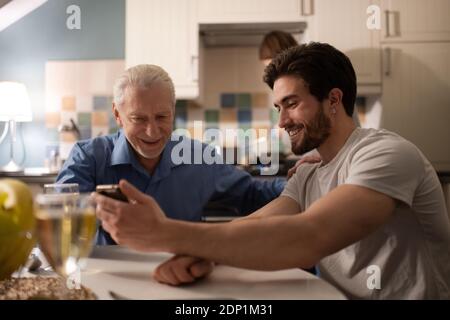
[(244, 34)]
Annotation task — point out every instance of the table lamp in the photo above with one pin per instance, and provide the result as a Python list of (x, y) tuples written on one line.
[(14, 107)]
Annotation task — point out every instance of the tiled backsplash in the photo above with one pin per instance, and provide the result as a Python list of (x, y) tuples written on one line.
[(80, 91), (245, 109), (236, 98), (237, 111)]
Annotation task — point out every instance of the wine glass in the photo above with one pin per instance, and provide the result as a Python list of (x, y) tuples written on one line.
[(53, 188), (61, 188), (66, 225)]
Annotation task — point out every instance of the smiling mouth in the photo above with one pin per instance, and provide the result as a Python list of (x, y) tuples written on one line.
[(150, 143), (295, 130)]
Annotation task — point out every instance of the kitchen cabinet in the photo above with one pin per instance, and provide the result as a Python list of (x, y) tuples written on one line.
[(415, 20), (235, 11), (416, 103), (165, 33), (343, 24)]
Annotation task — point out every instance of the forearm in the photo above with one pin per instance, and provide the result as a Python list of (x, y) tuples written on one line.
[(281, 206), (263, 244)]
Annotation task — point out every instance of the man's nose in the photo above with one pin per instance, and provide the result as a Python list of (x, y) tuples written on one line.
[(152, 129), (283, 119)]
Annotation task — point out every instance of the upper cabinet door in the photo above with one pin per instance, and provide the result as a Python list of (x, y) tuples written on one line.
[(165, 33), (234, 11), (343, 24), (416, 81), (415, 20)]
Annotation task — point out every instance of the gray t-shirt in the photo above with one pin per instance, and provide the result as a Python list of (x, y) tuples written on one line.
[(412, 250)]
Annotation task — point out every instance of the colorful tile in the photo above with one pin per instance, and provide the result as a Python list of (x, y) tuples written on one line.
[(52, 119), (244, 116), (67, 137), (102, 103), (260, 117), (260, 100), (195, 114), (228, 100), (100, 119), (112, 120), (113, 130), (274, 117), (212, 116), (244, 100), (84, 103), (84, 119), (85, 132), (98, 131), (52, 135), (66, 116), (68, 103), (228, 116)]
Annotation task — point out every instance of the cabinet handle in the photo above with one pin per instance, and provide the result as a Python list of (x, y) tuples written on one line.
[(391, 22), (387, 61), (388, 34), (303, 11), (194, 68)]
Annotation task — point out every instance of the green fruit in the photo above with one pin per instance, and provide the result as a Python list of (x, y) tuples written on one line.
[(16, 225)]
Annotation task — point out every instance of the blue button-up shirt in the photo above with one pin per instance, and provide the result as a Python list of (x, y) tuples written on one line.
[(181, 190)]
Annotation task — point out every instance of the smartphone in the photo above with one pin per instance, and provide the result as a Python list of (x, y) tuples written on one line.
[(112, 191)]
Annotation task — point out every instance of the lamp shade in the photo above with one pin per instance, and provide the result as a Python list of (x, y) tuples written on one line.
[(14, 102)]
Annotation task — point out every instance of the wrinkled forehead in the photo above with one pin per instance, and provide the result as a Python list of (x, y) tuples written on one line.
[(157, 97)]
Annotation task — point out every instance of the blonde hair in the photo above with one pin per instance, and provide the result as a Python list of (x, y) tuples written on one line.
[(142, 76)]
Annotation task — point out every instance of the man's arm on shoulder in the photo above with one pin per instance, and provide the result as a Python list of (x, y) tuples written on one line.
[(237, 188)]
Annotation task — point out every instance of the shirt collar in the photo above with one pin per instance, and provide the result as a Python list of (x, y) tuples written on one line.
[(123, 154)]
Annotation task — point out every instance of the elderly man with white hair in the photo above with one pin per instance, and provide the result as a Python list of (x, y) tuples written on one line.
[(144, 108)]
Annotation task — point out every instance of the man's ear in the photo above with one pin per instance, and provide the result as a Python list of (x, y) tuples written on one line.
[(117, 115), (335, 96)]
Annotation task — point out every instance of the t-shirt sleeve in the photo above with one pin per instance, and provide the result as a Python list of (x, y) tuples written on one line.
[(292, 189), (392, 167)]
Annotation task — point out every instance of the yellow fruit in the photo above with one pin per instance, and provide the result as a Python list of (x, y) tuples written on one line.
[(16, 225)]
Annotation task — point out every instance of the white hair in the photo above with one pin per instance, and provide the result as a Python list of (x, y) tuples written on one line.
[(141, 76)]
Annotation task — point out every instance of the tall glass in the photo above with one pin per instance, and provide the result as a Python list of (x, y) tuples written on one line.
[(61, 188), (55, 188), (66, 225)]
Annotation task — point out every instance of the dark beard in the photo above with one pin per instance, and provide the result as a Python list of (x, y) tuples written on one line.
[(314, 134)]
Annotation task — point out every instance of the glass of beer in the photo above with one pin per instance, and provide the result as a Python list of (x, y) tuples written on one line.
[(66, 225)]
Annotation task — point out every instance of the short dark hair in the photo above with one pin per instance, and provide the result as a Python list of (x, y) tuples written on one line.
[(321, 66), (274, 42)]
